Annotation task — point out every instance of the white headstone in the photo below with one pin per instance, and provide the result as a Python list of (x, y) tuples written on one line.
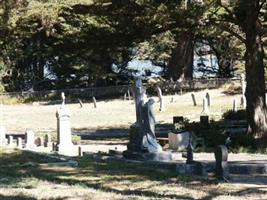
[(234, 105), (29, 140), (205, 106), (63, 99), (161, 100), (179, 141), (10, 140), (64, 139)]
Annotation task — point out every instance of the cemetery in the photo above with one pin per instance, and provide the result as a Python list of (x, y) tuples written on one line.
[(133, 99), (199, 136)]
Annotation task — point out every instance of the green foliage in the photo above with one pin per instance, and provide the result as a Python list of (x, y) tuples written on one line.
[(234, 115)]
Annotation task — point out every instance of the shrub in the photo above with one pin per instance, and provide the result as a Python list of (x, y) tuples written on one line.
[(235, 115)]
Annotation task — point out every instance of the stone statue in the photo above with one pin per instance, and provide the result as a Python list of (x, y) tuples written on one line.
[(149, 141)]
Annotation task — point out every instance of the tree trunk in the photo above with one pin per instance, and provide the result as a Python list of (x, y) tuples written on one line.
[(181, 62), (255, 90)]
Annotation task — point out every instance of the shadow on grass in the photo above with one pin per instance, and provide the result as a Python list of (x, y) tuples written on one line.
[(16, 171), (6, 197)]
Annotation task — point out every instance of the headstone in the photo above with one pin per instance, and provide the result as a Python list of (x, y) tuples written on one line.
[(80, 152), (63, 99), (194, 99), (208, 99), (39, 141), (2, 136), (125, 97), (181, 91), (234, 105), (179, 141), (172, 100), (221, 166), (10, 140), (29, 140), (205, 106), (64, 139), (243, 102), (94, 100), (19, 143), (189, 155), (161, 100), (80, 102), (204, 120), (243, 87), (47, 140), (129, 94)]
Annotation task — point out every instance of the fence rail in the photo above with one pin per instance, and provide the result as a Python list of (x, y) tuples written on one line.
[(113, 91)]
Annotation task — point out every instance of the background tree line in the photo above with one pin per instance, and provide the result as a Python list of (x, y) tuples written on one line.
[(81, 40)]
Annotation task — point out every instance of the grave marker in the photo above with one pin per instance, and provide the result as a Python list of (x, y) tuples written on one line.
[(221, 167), (194, 99), (64, 139), (29, 140)]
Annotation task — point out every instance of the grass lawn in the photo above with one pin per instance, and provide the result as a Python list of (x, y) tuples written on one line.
[(22, 177)]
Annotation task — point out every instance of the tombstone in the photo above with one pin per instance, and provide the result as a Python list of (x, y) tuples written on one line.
[(243, 87), (80, 152), (205, 106), (10, 140), (39, 141), (19, 143), (243, 102), (161, 100), (142, 142), (194, 99), (181, 91), (129, 94), (179, 141), (234, 105), (29, 140), (125, 97), (204, 120), (64, 138), (221, 166), (47, 140), (189, 151), (80, 102), (172, 100), (63, 99), (94, 100), (208, 99), (2, 136)]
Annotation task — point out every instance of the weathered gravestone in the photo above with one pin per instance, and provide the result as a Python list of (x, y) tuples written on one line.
[(29, 140), (63, 99), (39, 141), (10, 140), (221, 166), (179, 141), (194, 99), (208, 99), (161, 100), (234, 105), (64, 139), (143, 143), (205, 106), (19, 142), (47, 140), (243, 87)]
